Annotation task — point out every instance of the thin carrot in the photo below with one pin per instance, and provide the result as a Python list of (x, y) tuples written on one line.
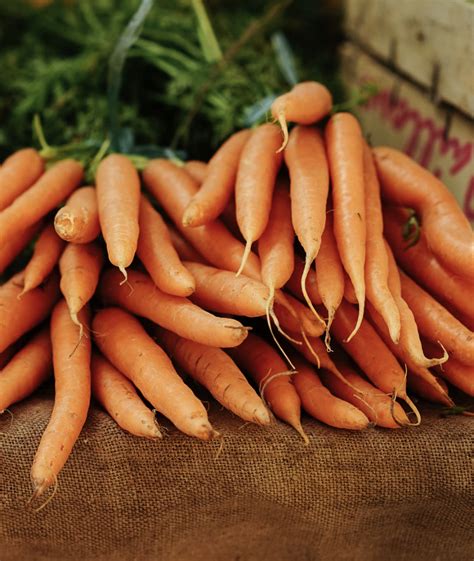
[(218, 184), (196, 169), (47, 250), (71, 399), (27, 370), (406, 183), (118, 200), (50, 189), (345, 152), (158, 255), (78, 220), (18, 172), (217, 372), (16, 245), (294, 283), (174, 313), (295, 316), (306, 103), (125, 343), (19, 315), (428, 391), (120, 399), (258, 168)]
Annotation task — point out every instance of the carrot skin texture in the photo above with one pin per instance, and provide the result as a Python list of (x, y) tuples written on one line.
[(174, 313), (196, 169), (427, 391), (125, 343), (18, 173), (78, 220), (184, 249), (12, 249)]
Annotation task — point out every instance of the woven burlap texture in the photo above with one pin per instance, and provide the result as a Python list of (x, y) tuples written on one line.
[(373, 496)]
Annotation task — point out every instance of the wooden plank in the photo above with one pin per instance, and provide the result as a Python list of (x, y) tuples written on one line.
[(402, 116), (430, 41)]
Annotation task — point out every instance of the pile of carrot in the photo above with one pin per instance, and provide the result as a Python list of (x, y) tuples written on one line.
[(297, 269)]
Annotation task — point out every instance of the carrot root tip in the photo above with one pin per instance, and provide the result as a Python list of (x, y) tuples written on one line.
[(284, 129), (125, 275), (245, 256)]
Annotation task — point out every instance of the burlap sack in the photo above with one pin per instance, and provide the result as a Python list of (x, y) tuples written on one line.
[(378, 495)]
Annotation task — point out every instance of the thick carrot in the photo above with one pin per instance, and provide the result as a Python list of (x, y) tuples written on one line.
[(306, 103), (307, 164), (50, 189), (8, 353), (158, 255), (48, 248), (423, 266), (376, 260), (184, 249), (406, 183), (120, 399), (263, 363), (118, 200), (437, 324), (18, 172), (217, 372), (71, 399), (196, 169), (429, 391), (78, 220), (27, 370), (258, 168), (19, 315), (125, 343), (294, 283), (227, 254), (346, 162), (16, 245), (218, 184), (174, 313), (321, 404), (80, 266)]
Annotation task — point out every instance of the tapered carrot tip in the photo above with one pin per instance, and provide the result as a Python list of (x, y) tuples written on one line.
[(125, 275), (245, 256), (284, 129), (299, 429), (437, 361), (206, 432), (190, 215), (261, 416)]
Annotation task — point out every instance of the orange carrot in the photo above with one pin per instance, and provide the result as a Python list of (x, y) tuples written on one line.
[(256, 176), (48, 248), (217, 372), (345, 152), (174, 313), (156, 252), (78, 220), (294, 316), (294, 283), (429, 391), (26, 371), (8, 353), (184, 249), (129, 348), (16, 245), (50, 189), (306, 103), (196, 169), (71, 400), (19, 315), (118, 200), (218, 184), (349, 292), (227, 254), (406, 183), (120, 399), (18, 173)]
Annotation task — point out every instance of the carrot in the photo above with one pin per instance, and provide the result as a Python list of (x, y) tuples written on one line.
[(345, 152), (349, 292), (80, 266), (47, 250), (71, 400), (306, 103), (227, 254), (50, 189), (321, 404), (307, 164), (218, 184), (196, 169), (8, 353), (295, 316), (428, 391), (217, 372), (119, 398), (118, 200), (184, 249), (19, 315), (406, 183), (156, 252), (329, 276), (436, 324), (420, 263), (258, 168), (375, 404), (294, 283), (26, 371), (129, 348), (16, 245), (174, 313), (18, 173), (376, 261), (78, 220), (263, 363)]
